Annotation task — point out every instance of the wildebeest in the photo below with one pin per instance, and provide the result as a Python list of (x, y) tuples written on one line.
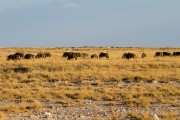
[(176, 53), (128, 55), (47, 54), (158, 54), (20, 54), (167, 54), (29, 56), (143, 55), (66, 54), (40, 55), (103, 55), (94, 56), (13, 57), (72, 56), (10, 57)]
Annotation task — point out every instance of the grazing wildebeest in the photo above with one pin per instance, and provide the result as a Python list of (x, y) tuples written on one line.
[(13, 57), (103, 55), (128, 56), (20, 54), (29, 56), (47, 54), (10, 57), (40, 55), (158, 54), (143, 55), (66, 54), (176, 53), (167, 54), (17, 57), (72, 56), (94, 56)]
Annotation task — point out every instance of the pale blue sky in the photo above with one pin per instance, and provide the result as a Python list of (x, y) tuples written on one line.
[(55, 23)]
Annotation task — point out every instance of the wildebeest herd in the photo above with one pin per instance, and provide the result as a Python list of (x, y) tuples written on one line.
[(19, 56), (160, 54), (75, 55)]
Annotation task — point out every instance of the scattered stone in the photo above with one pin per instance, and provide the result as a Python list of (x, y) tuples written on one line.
[(154, 82), (47, 114)]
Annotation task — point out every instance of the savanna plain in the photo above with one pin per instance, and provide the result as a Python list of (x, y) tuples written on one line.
[(113, 88)]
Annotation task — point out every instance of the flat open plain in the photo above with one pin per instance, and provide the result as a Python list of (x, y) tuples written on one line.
[(113, 88)]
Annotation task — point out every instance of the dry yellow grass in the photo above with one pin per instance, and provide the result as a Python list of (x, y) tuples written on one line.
[(56, 78)]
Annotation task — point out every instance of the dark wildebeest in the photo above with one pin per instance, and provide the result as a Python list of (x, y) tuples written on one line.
[(94, 56), (158, 54), (29, 56), (20, 54), (40, 55), (47, 54), (128, 56), (167, 54), (13, 57), (72, 56), (143, 55), (176, 53), (103, 55), (10, 57), (66, 54), (17, 57)]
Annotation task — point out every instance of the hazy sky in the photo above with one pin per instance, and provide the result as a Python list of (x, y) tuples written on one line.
[(53, 23)]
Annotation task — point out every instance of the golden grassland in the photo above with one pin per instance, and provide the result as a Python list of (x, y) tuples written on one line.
[(152, 80)]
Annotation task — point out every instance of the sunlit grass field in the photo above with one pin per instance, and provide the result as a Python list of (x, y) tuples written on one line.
[(140, 82)]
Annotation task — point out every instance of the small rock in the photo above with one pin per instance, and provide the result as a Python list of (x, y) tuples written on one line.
[(47, 114)]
